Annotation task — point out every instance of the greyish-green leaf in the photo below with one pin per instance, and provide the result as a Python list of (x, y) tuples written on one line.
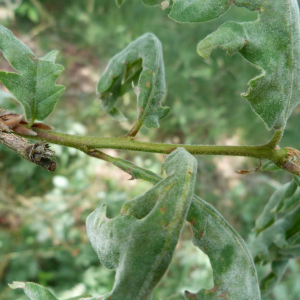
[(34, 84), (278, 233), (233, 267), (140, 242), (277, 244), (280, 202), (293, 248), (140, 63), (37, 292), (227, 251), (287, 191), (278, 268), (33, 291), (271, 43), (134, 171), (269, 166)]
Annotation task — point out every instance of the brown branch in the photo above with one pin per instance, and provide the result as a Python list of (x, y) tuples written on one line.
[(38, 153)]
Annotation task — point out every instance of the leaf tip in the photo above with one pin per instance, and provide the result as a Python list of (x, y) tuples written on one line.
[(17, 285)]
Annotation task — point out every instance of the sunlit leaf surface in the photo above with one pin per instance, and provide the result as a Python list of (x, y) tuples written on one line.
[(34, 84)]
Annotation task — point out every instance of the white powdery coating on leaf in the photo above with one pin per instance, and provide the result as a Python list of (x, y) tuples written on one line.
[(233, 268), (151, 86), (271, 43)]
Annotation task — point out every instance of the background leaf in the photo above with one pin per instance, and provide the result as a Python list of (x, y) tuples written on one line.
[(286, 195), (37, 292), (140, 63), (34, 291), (278, 238), (272, 43), (34, 86), (5, 96)]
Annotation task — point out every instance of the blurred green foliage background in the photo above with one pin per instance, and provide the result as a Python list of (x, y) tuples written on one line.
[(42, 214)]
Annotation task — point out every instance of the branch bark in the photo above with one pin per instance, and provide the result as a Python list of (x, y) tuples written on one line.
[(37, 153)]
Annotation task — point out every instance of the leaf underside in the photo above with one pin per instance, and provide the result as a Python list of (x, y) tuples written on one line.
[(226, 250), (140, 242), (140, 62), (234, 272), (271, 43), (34, 84)]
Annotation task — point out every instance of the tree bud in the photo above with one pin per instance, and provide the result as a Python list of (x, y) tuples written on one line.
[(290, 161)]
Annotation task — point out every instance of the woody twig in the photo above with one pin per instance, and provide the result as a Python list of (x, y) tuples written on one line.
[(38, 153)]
